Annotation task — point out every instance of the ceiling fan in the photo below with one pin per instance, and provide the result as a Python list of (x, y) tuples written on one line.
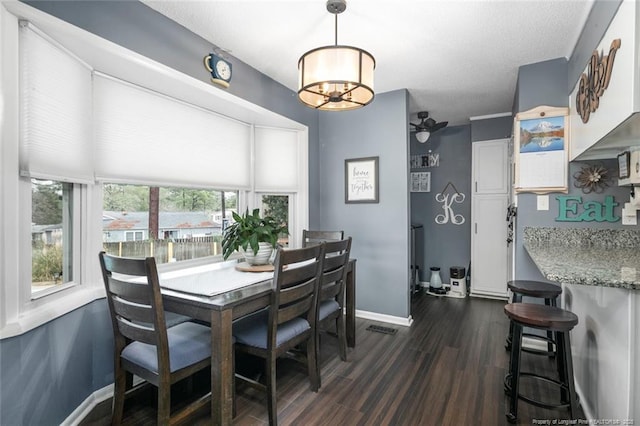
[(427, 126)]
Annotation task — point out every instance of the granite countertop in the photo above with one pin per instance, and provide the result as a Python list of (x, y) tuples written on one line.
[(608, 258)]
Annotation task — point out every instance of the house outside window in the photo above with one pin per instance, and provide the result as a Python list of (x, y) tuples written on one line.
[(169, 223)]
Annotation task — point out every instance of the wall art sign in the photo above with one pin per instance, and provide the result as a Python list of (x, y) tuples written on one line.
[(592, 178), (361, 180), (420, 181), (571, 208), (595, 81), (447, 199), (541, 146), (432, 159)]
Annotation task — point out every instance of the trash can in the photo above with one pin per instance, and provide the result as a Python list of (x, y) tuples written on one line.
[(458, 281)]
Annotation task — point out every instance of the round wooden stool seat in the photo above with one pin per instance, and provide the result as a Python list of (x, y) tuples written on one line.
[(541, 316), (535, 289), (538, 289)]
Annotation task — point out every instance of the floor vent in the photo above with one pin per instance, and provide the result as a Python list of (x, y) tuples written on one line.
[(381, 329)]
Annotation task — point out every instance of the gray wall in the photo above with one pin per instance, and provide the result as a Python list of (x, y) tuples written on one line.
[(380, 231), (49, 371), (492, 128), (444, 245)]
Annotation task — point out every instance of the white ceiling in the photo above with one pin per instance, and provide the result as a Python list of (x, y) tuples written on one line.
[(458, 58)]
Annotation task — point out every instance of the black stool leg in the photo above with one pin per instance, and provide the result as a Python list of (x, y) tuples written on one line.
[(515, 298), (550, 334), (568, 395), (514, 372)]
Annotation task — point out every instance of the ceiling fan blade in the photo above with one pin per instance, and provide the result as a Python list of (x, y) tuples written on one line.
[(439, 126)]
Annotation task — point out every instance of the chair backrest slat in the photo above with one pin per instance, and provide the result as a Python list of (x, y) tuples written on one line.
[(293, 293), (290, 312), (335, 269), (133, 311), (310, 237), (138, 332), (135, 304), (296, 284), (131, 291)]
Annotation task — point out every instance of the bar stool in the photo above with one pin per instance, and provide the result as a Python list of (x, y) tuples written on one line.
[(547, 291), (548, 318)]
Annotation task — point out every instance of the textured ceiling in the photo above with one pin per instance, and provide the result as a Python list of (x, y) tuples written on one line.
[(457, 58)]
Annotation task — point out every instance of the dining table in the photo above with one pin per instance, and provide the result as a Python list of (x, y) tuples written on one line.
[(220, 293)]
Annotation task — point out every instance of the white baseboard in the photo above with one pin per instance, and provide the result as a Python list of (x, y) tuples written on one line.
[(87, 405), (84, 409), (489, 296), (385, 318)]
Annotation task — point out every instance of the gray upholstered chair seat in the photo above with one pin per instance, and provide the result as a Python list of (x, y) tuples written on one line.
[(327, 307), (172, 319), (189, 343), (252, 330)]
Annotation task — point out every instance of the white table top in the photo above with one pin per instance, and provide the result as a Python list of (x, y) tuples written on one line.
[(209, 280)]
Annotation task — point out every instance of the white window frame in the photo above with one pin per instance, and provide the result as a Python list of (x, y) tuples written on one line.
[(75, 228), (20, 313)]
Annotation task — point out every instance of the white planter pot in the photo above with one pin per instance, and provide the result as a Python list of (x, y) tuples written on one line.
[(261, 258)]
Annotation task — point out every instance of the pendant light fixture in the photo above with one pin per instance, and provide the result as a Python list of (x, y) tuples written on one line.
[(336, 78)]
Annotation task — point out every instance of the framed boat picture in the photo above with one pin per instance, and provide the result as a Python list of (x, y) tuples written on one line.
[(541, 150)]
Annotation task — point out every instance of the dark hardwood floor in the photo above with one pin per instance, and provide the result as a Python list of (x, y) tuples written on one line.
[(446, 369)]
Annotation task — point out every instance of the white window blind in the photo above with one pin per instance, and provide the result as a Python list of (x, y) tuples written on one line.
[(276, 159), (55, 111), (145, 137)]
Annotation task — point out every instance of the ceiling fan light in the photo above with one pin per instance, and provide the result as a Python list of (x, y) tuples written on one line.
[(422, 136)]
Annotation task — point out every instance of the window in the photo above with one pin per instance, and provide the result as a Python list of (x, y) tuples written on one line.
[(52, 224), (277, 206), (170, 224), (133, 235)]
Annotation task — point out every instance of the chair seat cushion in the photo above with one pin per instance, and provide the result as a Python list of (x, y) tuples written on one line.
[(252, 330), (189, 343), (326, 308), (173, 319)]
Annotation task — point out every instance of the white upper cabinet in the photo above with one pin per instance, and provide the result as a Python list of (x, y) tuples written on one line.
[(494, 179), (615, 124)]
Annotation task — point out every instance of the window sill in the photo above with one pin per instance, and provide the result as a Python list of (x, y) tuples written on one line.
[(37, 316)]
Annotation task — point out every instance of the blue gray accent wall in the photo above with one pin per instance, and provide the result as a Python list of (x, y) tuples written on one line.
[(443, 245), (49, 371), (380, 231), (491, 129), (542, 83)]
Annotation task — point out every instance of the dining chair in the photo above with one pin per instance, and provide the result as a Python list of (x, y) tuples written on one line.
[(143, 344), (315, 237), (331, 294), (288, 322)]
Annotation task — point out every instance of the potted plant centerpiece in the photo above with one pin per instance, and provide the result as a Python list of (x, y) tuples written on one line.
[(254, 236)]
